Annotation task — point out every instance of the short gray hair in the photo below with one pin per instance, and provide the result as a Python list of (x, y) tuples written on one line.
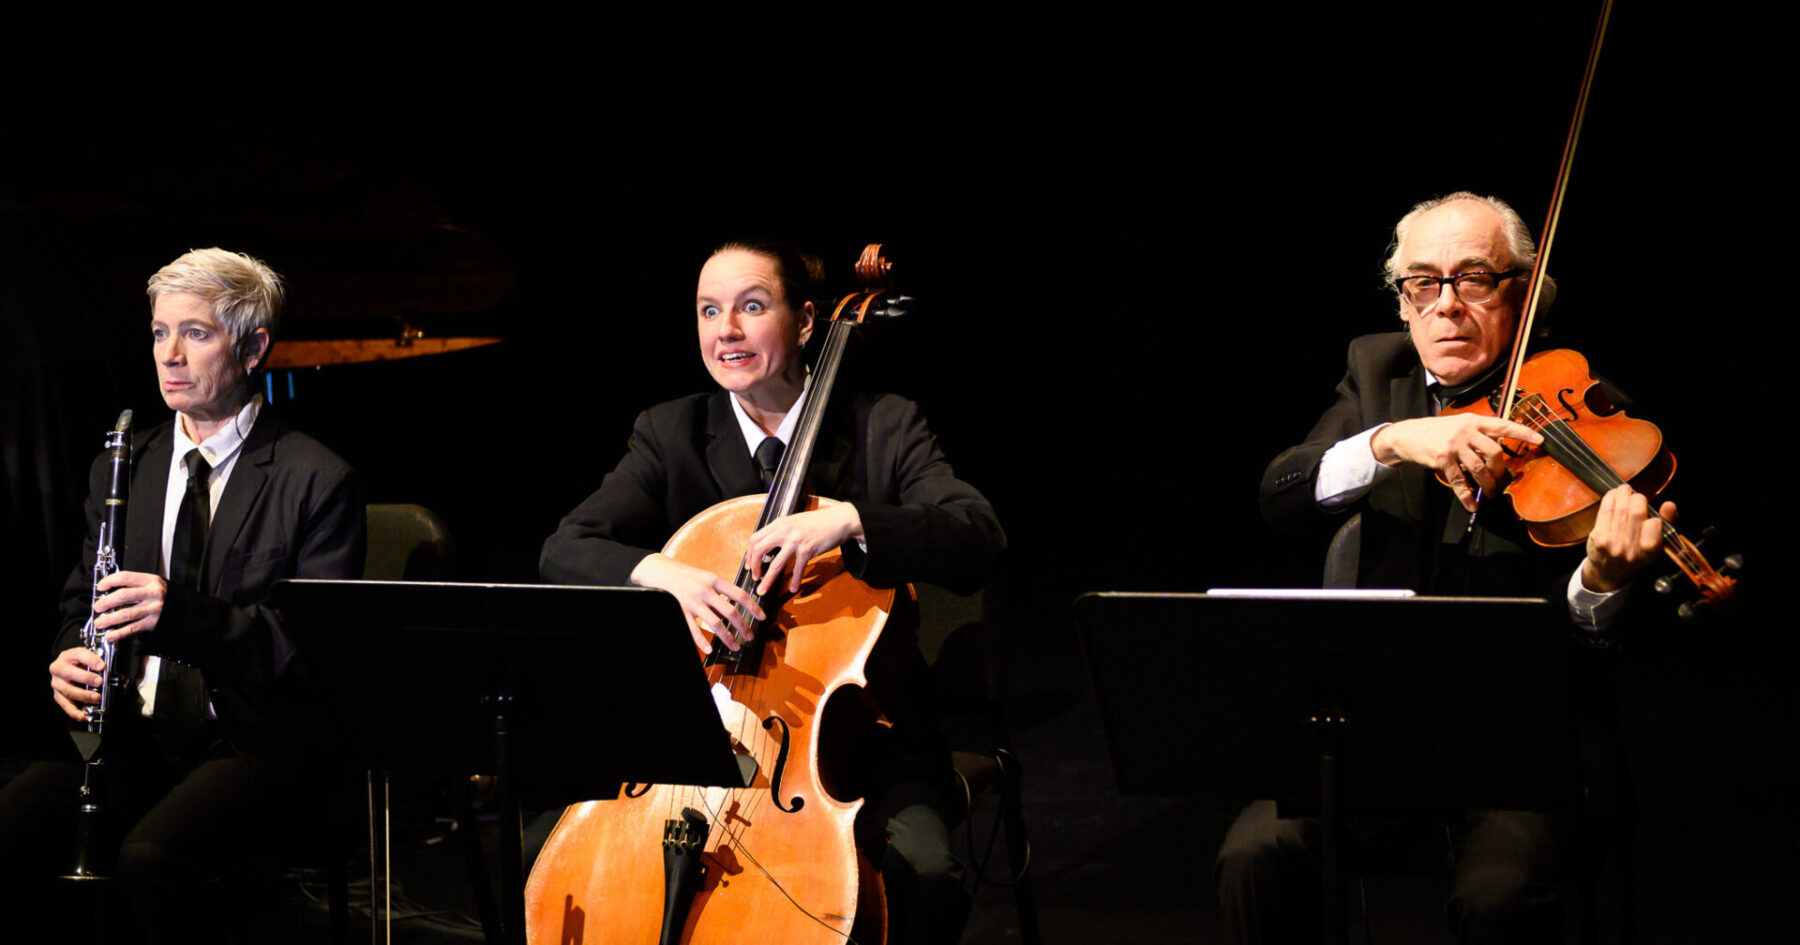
[(1518, 236), (1519, 244), (245, 294)]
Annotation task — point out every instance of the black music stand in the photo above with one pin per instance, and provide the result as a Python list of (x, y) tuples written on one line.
[(1336, 705), (512, 680)]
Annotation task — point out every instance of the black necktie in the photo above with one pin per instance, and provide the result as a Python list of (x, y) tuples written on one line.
[(768, 457), (180, 690), (189, 547)]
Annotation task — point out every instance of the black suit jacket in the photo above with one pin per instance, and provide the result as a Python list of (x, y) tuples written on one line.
[(920, 522), (1413, 532), (291, 509)]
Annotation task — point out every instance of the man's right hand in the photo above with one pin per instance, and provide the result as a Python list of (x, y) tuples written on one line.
[(1464, 449), (71, 673)]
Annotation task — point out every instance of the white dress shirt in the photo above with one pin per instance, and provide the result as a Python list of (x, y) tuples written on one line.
[(221, 450)]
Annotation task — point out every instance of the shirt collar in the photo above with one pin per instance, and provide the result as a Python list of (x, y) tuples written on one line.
[(223, 445), (753, 434)]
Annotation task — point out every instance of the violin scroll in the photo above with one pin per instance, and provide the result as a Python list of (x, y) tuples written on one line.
[(1718, 587)]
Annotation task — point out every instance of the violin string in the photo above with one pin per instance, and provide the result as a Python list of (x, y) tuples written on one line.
[(1675, 545), (1588, 465), (1687, 557), (1603, 471)]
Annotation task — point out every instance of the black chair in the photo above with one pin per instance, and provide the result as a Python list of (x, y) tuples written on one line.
[(964, 639), (408, 543), (1342, 556)]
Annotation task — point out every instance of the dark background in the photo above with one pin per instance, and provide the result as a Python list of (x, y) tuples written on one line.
[(1139, 245)]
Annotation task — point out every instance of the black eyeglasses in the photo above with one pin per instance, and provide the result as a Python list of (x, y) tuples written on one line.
[(1472, 287)]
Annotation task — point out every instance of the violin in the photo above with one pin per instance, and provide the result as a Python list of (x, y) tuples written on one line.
[(1589, 446), (775, 860)]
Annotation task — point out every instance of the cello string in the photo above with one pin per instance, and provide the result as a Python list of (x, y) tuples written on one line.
[(773, 881), (748, 684), (734, 835)]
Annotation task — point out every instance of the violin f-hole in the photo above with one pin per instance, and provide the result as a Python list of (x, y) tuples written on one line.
[(1562, 397)]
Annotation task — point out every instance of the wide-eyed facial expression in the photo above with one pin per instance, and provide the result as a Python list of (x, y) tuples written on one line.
[(195, 368), (1458, 340), (750, 334)]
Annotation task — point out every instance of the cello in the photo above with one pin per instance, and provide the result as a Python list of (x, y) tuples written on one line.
[(775, 860)]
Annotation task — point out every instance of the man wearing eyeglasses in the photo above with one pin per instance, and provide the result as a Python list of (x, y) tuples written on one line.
[(1461, 269)]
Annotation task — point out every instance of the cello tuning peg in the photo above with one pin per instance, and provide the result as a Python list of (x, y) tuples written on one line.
[(1706, 533), (1691, 609), (894, 306), (1731, 563), (1665, 584)]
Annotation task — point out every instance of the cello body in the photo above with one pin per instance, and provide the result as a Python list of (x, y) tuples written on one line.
[(778, 862)]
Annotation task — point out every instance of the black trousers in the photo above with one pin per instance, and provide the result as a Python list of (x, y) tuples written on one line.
[(186, 829), (1506, 882)]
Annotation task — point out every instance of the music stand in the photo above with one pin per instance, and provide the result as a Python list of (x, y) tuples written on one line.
[(1336, 705), (513, 680)]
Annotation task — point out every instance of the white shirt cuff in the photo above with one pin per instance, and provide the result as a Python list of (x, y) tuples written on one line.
[(1349, 470), (1594, 611)]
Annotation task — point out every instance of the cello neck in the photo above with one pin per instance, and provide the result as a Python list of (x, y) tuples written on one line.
[(789, 489)]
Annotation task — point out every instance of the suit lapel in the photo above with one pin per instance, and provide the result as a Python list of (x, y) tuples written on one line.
[(144, 507), (1408, 399), (832, 454), (729, 462), (242, 492)]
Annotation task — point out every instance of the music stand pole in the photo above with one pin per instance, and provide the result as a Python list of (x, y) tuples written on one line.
[(1329, 725)]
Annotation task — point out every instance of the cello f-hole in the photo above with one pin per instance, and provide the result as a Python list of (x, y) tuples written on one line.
[(781, 766)]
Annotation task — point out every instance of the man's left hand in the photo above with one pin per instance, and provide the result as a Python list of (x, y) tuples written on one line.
[(132, 604), (1625, 538), (796, 540)]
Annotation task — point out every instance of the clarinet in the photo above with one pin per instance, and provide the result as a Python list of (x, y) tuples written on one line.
[(89, 832)]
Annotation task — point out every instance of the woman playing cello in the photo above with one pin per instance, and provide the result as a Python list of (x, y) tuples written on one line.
[(902, 516)]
